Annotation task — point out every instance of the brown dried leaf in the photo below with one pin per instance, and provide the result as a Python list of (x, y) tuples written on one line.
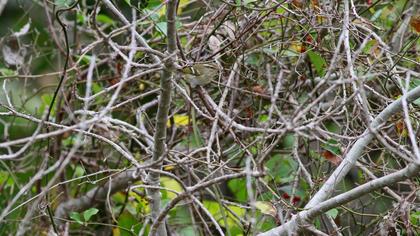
[(299, 3), (258, 89), (400, 128), (415, 23), (331, 157)]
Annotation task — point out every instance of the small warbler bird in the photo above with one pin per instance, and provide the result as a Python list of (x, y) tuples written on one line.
[(200, 74)]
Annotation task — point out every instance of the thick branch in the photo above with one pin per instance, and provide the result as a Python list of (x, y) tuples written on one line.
[(357, 149), (96, 195), (306, 216), (162, 114), (349, 161)]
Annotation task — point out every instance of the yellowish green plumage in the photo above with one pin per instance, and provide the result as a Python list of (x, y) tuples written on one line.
[(200, 74)]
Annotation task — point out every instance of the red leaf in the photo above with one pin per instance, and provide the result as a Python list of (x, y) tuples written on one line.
[(309, 39), (295, 200), (331, 157)]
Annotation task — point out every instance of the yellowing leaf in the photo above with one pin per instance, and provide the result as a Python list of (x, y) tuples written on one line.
[(266, 208), (116, 232), (180, 120), (298, 47), (320, 18), (141, 203), (215, 210), (182, 4), (372, 48), (387, 12), (171, 184), (142, 86), (169, 167)]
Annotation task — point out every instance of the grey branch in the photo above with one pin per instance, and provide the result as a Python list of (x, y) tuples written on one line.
[(348, 162)]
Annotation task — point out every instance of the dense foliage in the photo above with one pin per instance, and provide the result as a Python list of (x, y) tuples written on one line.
[(220, 117)]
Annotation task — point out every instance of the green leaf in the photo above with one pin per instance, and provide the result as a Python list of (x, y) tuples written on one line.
[(246, 2), (178, 24), (162, 27), (280, 168), (79, 171), (263, 118), (85, 58), (77, 217), (271, 51), (288, 141), (63, 3), (318, 61), (152, 4), (118, 198), (152, 15), (414, 83), (333, 213), (332, 146), (128, 2), (332, 127), (255, 59), (238, 188), (128, 221), (415, 218), (290, 190), (219, 213), (80, 18), (188, 231), (5, 179), (180, 215), (46, 102), (105, 19), (7, 72), (69, 141), (317, 223), (89, 213)]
